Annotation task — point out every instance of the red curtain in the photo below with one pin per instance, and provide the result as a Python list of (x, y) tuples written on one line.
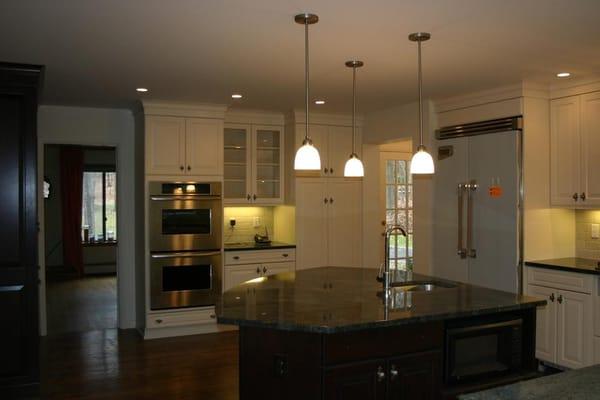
[(71, 189)]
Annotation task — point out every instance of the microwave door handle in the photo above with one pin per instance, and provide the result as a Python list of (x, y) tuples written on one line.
[(187, 254), (171, 198), (460, 250)]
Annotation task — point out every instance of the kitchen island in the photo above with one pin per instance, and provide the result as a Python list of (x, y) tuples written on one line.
[(327, 333)]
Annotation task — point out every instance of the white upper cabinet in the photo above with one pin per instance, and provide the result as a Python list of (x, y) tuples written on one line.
[(590, 148), (204, 146), (165, 145), (340, 148), (565, 151), (253, 164), (575, 151)]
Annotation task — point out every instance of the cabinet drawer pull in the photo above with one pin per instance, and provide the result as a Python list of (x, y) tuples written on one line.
[(254, 197), (380, 374), (560, 299), (285, 254), (582, 196), (575, 196), (264, 270), (248, 197), (213, 316), (236, 257), (159, 321), (258, 270), (552, 297)]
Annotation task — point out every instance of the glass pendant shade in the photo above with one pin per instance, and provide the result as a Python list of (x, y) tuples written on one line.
[(307, 157), (421, 162), (354, 167)]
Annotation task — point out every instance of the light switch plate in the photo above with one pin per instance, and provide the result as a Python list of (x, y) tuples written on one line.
[(595, 231), (256, 222)]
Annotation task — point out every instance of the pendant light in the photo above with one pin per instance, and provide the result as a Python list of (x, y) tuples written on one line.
[(421, 162), (307, 156), (354, 167)]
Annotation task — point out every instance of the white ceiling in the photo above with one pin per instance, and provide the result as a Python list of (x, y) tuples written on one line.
[(98, 52)]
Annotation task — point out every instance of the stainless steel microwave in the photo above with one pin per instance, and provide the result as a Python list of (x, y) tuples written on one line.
[(185, 216)]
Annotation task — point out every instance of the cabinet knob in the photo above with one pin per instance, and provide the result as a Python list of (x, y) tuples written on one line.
[(248, 197), (324, 170), (560, 299), (264, 270), (213, 316), (582, 196), (189, 168), (254, 197), (331, 200), (181, 167), (393, 372), (575, 196), (325, 200), (380, 374), (331, 170), (258, 270), (552, 297)]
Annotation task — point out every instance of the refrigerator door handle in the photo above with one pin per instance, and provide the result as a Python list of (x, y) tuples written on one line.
[(471, 187), (460, 250)]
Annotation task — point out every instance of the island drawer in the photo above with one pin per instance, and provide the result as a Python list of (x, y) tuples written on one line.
[(382, 342), (573, 281), (259, 256)]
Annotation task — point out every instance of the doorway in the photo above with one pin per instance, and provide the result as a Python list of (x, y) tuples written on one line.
[(81, 238)]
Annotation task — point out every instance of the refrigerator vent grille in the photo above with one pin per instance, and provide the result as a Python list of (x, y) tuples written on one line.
[(480, 128)]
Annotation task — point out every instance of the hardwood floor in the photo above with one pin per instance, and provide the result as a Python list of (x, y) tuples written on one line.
[(80, 304), (112, 364)]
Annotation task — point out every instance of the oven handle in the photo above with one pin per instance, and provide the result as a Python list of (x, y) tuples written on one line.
[(171, 198), (187, 254)]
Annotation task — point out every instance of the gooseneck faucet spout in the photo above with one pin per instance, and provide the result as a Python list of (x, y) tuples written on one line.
[(385, 274)]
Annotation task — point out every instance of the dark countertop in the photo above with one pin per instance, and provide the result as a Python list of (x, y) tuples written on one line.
[(336, 299), (577, 384), (571, 264), (254, 246)]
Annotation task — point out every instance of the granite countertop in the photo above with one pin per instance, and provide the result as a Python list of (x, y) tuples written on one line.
[(336, 299), (256, 246), (580, 384), (571, 264)]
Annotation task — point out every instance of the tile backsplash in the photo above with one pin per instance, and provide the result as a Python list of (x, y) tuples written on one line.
[(585, 246), (244, 229)]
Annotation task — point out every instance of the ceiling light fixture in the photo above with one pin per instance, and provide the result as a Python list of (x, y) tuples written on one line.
[(307, 156), (563, 74), (236, 96), (421, 162), (354, 167), (141, 89), (319, 102)]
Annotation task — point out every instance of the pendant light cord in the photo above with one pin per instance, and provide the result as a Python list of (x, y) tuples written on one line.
[(306, 76), (420, 100), (354, 110)]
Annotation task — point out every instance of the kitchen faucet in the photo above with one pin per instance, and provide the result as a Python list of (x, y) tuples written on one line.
[(384, 276)]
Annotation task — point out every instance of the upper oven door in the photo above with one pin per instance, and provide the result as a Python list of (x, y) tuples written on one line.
[(185, 223)]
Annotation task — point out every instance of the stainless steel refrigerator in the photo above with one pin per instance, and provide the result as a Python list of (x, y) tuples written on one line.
[(477, 226)]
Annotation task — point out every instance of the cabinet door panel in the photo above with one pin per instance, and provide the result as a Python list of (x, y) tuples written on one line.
[(267, 165), (238, 274), (319, 135), (311, 223), (545, 336), (355, 382), (277, 268), (165, 142), (344, 223), (565, 151), (574, 329), (340, 147), (237, 174), (590, 148), (415, 376), (204, 146)]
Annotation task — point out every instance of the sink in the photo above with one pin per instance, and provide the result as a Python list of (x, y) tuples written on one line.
[(421, 286)]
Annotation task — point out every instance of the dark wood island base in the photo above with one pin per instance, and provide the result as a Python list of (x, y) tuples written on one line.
[(397, 362)]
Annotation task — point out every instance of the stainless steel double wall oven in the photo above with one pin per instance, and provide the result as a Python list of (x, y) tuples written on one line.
[(185, 236)]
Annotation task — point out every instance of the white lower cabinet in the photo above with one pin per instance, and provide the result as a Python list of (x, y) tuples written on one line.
[(237, 273), (596, 350), (564, 327)]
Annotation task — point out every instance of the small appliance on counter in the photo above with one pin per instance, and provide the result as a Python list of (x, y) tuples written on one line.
[(262, 239)]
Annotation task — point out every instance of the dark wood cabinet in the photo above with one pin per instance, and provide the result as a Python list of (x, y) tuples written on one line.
[(358, 381), (19, 336), (415, 376)]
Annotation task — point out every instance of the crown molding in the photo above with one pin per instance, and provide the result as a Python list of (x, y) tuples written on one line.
[(258, 117), (298, 117), (176, 109), (573, 87)]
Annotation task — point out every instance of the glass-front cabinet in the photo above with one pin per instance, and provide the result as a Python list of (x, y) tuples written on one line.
[(253, 164)]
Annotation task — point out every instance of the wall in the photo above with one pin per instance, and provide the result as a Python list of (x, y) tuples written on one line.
[(53, 214), (586, 247), (244, 229), (385, 126), (97, 127)]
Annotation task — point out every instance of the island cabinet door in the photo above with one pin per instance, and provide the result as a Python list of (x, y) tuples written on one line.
[(415, 376), (356, 381)]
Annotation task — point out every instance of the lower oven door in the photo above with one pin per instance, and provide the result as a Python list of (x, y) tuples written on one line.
[(184, 279), (484, 350)]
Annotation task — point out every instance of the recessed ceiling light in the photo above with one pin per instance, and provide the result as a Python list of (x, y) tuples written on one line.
[(141, 89), (236, 96), (320, 102), (563, 74)]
